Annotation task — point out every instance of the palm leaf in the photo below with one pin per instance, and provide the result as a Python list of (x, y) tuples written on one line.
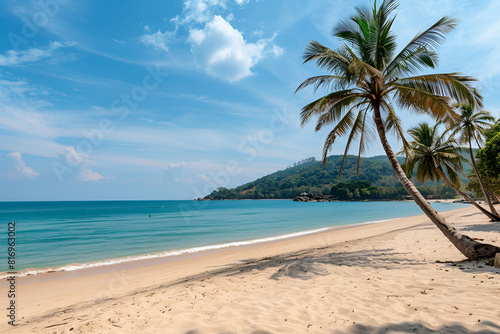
[(421, 51), (342, 99), (451, 85)]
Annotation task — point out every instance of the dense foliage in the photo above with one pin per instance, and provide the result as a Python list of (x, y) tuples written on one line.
[(376, 181), (489, 162)]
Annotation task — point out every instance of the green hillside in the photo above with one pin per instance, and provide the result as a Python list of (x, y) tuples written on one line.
[(309, 175)]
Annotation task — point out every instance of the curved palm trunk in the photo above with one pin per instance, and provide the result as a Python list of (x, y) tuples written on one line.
[(470, 248), (464, 195), (480, 180)]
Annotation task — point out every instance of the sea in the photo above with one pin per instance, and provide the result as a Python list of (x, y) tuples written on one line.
[(53, 236)]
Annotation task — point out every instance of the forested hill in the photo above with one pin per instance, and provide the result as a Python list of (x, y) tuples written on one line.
[(376, 180)]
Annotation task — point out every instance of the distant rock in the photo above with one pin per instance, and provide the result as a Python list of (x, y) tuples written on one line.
[(206, 198), (307, 197), (461, 201)]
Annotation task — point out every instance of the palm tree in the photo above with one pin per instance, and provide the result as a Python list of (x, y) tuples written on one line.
[(365, 75), (429, 153), (470, 126)]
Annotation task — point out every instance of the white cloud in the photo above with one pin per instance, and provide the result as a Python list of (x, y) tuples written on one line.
[(200, 10), (276, 50), (27, 122), (32, 55), (18, 168), (86, 175), (222, 51), (158, 40), (80, 161), (73, 158)]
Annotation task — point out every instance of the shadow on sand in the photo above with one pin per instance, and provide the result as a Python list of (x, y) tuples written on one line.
[(305, 264), (486, 327), (417, 327), (493, 227)]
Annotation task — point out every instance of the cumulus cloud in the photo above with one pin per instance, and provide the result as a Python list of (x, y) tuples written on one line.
[(157, 40), (80, 161), (13, 57), (86, 175), (18, 168), (223, 52), (200, 10)]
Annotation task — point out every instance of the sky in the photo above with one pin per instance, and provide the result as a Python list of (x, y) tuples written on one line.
[(129, 100)]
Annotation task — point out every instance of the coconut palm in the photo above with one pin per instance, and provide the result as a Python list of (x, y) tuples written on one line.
[(436, 158), (366, 77), (470, 126)]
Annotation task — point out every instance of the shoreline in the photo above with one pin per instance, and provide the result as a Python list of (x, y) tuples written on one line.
[(180, 253), (266, 286), (144, 260)]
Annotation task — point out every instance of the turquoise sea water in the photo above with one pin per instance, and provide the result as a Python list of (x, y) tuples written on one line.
[(55, 234)]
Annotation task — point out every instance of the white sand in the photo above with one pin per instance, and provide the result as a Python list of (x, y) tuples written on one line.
[(379, 278)]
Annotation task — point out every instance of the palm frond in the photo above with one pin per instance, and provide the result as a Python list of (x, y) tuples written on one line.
[(365, 133), (394, 124), (356, 129), (431, 151), (333, 114), (420, 100), (340, 129), (383, 44), (336, 101), (452, 85), (326, 58), (421, 51), (470, 125), (323, 81)]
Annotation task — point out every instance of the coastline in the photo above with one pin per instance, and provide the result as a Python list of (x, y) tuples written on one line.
[(195, 250), (44, 299), (175, 255)]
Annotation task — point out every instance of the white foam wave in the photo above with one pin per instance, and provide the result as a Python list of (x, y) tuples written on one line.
[(72, 267)]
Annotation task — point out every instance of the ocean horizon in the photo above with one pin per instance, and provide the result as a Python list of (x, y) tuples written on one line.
[(72, 235)]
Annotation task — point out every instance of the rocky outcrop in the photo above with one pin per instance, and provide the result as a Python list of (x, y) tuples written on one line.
[(206, 198), (461, 201), (307, 197)]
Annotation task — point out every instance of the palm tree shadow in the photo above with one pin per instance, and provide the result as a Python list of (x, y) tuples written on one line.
[(493, 227), (306, 264), (487, 327)]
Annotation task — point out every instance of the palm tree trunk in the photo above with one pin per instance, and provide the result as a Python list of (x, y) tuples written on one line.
[(470, 248), (464, 195), (480, 180), (494, 198)]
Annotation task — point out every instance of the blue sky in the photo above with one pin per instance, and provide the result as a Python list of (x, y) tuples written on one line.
[(170, 99)]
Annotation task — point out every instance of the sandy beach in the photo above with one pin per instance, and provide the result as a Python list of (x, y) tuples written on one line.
[(400, 276)]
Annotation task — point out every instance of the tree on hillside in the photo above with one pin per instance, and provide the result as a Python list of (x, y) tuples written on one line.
[(488, 163), (367, 77), (470, 127), (437, 158)]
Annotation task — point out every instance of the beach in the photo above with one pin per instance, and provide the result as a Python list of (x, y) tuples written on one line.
[(398, 276)]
